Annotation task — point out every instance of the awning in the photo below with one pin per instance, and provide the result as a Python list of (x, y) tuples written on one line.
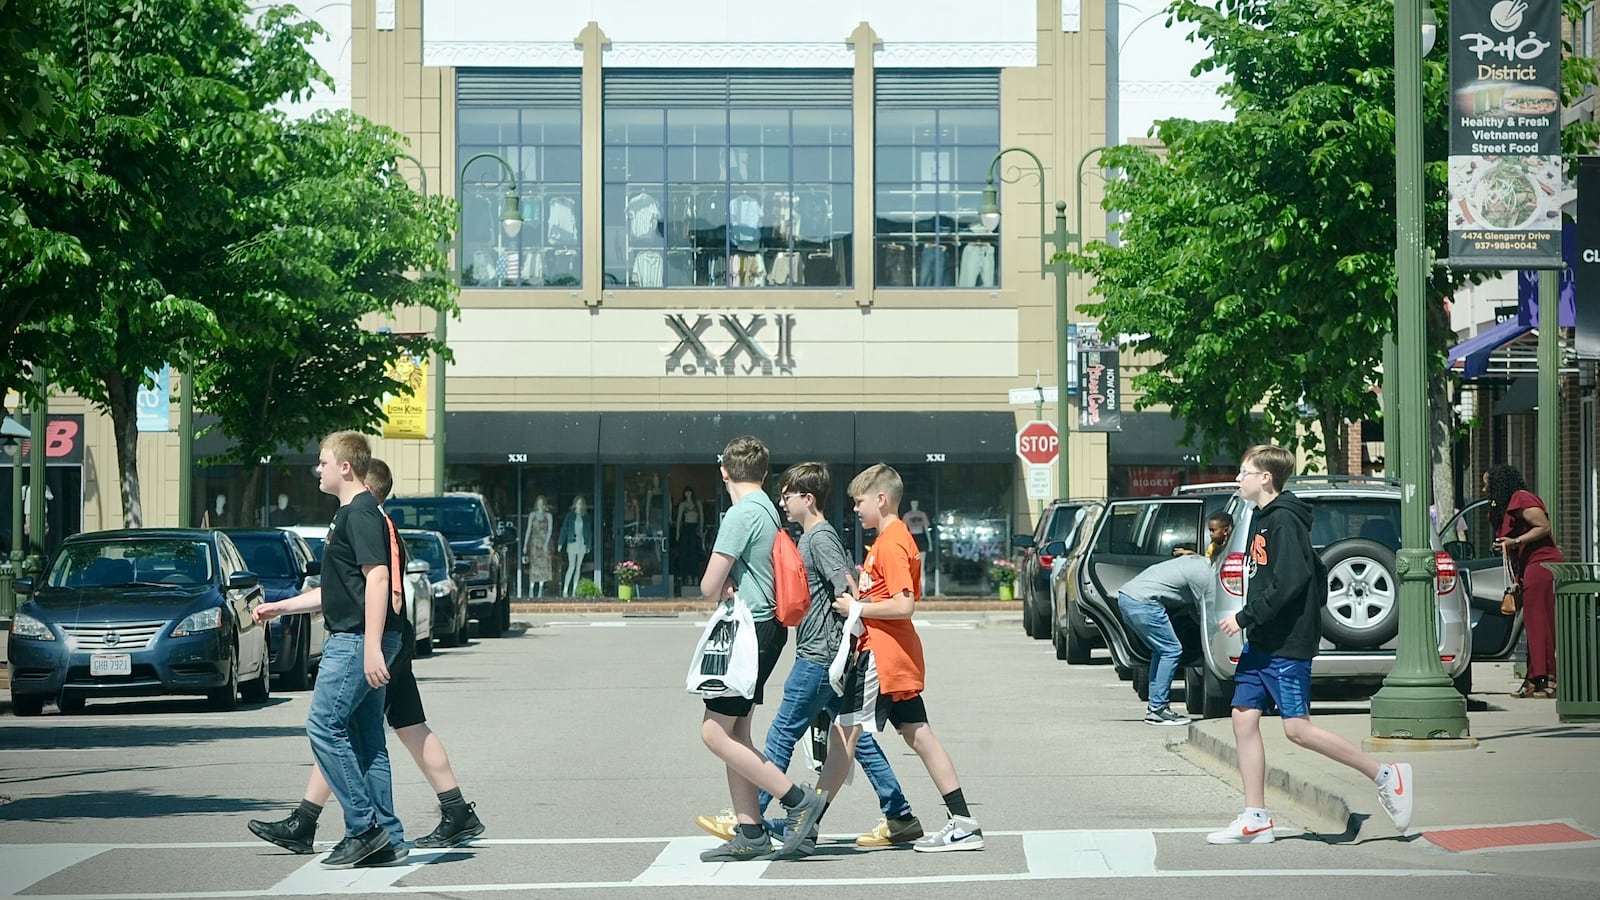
[(1155, 439), (898, 438), (664, 438), (1522, 396), (1471, 356), (507, 437)]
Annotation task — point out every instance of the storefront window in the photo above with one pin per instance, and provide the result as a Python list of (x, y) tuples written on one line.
[(961, 518), (727, 183), (934, 144), (543, 145), (286, 494)]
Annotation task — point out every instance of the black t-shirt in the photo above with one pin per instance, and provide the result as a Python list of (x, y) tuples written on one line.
[(357, 537)]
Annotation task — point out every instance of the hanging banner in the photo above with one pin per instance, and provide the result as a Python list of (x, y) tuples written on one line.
[(153, 405), (406, 417), (1586, 274), (1505, 134), (1099, 386)]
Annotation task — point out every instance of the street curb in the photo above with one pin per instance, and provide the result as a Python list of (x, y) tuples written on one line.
[(659, 607), (1218, 755)]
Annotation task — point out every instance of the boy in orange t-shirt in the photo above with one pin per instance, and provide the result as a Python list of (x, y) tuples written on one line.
[(884, 683)]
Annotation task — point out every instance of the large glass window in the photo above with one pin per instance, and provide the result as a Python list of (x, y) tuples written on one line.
[(936, 133), (727, 182)]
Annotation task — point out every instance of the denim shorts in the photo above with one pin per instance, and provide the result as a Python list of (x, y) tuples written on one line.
[(1263, 681)]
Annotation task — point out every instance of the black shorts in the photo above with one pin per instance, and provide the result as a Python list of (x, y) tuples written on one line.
[(865, 705), (771, 636), (402, 703)]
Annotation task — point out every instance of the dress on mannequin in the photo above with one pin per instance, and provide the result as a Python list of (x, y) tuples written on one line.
[(917, 523), (575, 540), (536, 546), (688, 540)]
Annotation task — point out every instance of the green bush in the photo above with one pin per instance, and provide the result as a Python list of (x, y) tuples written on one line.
[(587, 588)]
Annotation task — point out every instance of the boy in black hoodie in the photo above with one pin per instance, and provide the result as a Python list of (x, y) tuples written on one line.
[(1287, 586)]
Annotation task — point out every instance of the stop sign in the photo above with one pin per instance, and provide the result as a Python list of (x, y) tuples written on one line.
[(1038, 443)]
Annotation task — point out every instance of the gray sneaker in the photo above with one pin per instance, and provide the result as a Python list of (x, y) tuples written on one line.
[(960, 833), (1164, 716), (740, 849), (801, 823)]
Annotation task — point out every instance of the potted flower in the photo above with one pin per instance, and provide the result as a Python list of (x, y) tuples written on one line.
[(627, 573), (1003, 575)]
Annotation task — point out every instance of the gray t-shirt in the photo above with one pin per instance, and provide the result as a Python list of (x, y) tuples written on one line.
[(746, 534), (1176, 583), (817, 638)]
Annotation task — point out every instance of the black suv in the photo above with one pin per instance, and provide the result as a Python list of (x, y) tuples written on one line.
[(1052, 537), (467, 523)]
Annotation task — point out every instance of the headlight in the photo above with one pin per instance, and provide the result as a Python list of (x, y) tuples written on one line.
[(26, 626), (480, 567), (442, 589), (204, 620)]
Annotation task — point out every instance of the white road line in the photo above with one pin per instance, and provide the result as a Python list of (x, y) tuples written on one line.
[(62, 750), (679, 865), (1072, 854), (313, 879), (24, 865)]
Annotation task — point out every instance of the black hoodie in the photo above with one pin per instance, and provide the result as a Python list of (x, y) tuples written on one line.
[(1287, 584)]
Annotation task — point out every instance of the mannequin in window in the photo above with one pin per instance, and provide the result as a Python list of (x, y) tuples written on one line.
[(283, 513), (216, 516), (918, 523), (688, 539), (536, 546), (575, 540)]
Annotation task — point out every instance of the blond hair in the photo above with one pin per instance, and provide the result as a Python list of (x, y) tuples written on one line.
[(1274, 460), (350, 447), (379, 480), (881, 477)]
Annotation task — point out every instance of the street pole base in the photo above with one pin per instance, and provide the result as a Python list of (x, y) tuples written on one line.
[(1419, 713), (1415, 745)]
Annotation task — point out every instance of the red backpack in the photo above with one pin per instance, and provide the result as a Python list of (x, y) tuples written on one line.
[(791, 591)]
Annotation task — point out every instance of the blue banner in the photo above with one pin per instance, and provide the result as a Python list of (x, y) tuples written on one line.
[(155, 400)]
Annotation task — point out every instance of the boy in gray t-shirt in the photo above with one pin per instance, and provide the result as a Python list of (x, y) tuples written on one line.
[(806, 693)]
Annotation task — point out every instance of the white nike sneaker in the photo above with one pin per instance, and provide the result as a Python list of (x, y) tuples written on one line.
[(960, 833), (1246, 829), (1398, 795)]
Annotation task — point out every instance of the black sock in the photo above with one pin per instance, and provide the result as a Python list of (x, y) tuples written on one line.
[(450, 798), (752, 832), (309, 810), (794, 797), (957, 803)]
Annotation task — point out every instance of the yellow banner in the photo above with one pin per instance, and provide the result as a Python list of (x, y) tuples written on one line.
[(407, 417)]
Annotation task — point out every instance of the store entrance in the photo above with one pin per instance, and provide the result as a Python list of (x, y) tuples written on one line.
[(665, 519)]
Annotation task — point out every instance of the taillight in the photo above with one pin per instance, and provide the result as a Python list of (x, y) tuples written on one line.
[(1444, 582), (1233, 574), (1046, 560)]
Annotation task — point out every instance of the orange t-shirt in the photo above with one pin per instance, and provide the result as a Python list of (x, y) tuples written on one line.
[(891, 569)]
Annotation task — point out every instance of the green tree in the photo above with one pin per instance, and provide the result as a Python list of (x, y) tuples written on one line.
[(337, 239), (1257, 257)]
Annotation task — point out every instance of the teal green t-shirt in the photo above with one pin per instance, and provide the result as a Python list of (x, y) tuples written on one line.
[(746, 534)]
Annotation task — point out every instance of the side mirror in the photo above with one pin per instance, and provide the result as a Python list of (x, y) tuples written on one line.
[(1054, 548), (23, 586), (1022, 541), (417, 567), (313, 568), (506, 533), (238, 581), (461, 568), (1458, 550)]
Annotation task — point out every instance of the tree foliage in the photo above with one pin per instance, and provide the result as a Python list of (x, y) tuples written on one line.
[(1258, 254)]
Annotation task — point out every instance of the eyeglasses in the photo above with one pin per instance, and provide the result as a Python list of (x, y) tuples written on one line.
[(784, 498), (1244, 472)]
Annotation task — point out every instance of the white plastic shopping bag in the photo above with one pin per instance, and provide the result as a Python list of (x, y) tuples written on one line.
[(724, 662), (847, 650)]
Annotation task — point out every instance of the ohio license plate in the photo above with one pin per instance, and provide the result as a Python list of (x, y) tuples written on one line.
[(110, 664)]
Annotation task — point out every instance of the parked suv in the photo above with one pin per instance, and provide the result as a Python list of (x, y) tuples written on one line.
[(1355, 529), (468, 524), (1036, 554)]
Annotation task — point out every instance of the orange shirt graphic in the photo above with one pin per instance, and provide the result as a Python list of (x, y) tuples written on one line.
[(891, 569)]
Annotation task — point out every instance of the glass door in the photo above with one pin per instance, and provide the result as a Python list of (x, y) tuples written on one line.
[(641, 515)]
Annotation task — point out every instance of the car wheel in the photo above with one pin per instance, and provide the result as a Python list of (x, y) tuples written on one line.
[(489, 624), (1041, 625), (464, 633), (72, 703), (1363, 609), (226, 698), (424, 647), (1076, 649), (258, 690), (26, 706), (1463, 682), (1027, 622), (1194, 690), (505, 613), (1141, 682), (1216, 696), (1058, 638), (298, 676)]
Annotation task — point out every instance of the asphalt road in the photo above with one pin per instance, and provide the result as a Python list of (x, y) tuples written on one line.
[(577, 742)]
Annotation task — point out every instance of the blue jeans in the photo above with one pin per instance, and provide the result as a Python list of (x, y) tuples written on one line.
[(1151, 623), (345, 724), (806, 693)]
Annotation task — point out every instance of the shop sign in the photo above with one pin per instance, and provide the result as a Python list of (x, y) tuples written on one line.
[(406, 416), (737, 346), (1099, 387), (1586, 274), (63, 442), (1505, 134), (1144, 482)]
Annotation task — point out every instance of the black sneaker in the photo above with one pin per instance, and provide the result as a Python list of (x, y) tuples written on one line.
[(801, 823), (293, 834), (1164, 716), (391, 855), (356, 847), (740, 849), (458, 825)]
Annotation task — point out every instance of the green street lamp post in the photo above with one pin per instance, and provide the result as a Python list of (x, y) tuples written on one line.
[(511, 221), (1061, 240), (1417, 699)]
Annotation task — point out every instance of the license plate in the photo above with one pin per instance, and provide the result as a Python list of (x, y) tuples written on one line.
[(110, 664)]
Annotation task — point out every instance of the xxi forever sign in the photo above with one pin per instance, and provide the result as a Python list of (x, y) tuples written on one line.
[(1505, 134)]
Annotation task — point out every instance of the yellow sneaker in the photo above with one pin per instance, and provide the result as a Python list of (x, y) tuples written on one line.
[(887, 834), (723, 824)]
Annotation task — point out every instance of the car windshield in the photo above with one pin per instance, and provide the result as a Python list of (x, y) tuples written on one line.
[(132, 561), (426, 549), (315, 543), (457, 519), (267, 555)]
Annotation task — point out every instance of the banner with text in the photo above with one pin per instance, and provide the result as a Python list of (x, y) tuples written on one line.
[(1505, 134), (1099, 386), (1586, 269), (406, 417)]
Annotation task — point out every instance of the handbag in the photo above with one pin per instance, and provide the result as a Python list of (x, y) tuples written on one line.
[(1512, 598), (725, 661)]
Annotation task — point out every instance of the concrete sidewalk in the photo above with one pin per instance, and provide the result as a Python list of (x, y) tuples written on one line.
[(1528, 768)]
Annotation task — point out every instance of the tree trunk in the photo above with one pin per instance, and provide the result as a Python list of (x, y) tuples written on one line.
[(122, 394), (250, 503), (1335, 443)]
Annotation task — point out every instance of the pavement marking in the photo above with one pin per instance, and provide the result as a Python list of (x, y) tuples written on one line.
[(313, 879), (63, 750), (1074, 854), (1520, 836), (24, 865), (679, 865)]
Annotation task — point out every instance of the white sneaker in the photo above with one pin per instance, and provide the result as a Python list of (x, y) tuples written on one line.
[(960, 833), (1398, 795), (1247, 829)]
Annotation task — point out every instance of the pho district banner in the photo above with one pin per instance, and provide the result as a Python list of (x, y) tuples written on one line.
[(1505, 134), (406, 417), (1099, 386), (1586, 274)]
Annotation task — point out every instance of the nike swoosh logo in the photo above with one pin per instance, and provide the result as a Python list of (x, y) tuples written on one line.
[(1399, 784), (1266, 827), (960, 835)]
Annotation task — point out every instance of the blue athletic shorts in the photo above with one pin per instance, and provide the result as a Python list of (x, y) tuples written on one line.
[(1263, 681)]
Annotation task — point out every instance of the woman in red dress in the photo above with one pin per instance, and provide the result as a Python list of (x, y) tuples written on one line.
[(1522, 531)]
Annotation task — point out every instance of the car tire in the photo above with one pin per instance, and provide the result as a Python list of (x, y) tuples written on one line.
[(258, 690), (489, 625), (1141, 682), (1041, 625), (72, 704), (1027, 621), (226, 698), (464, 633), (25, 707), (1363, 608), (1216, 701), (424, 647), (1077, 650), (505, 613), (1463, 682), (1194, 690), (298, 675), (1058, 638)]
